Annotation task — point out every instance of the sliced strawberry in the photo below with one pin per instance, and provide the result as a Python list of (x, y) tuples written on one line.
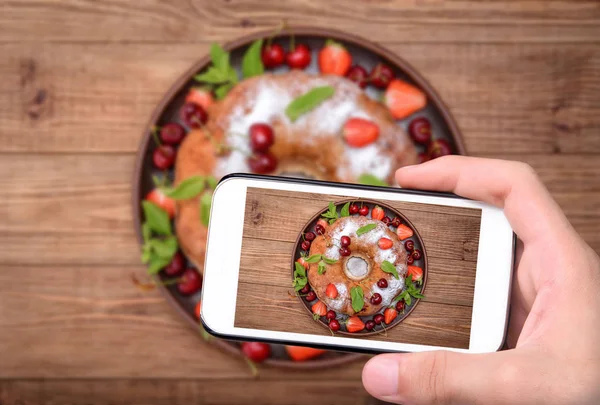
[(377, 213), (323, 223), (389, 315), (331, 291), (385, 243), (404, 232), (158, 198), (334, 59), (303, 263), (319, 308), (403, 99), (354, 324), (359, 132), (200, 96), (416, 272), (197, 309), (299, 353)]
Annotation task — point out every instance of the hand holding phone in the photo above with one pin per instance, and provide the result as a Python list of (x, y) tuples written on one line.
[(555, 310)]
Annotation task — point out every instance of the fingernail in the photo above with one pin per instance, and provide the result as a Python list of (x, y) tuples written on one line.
[(380, 377)]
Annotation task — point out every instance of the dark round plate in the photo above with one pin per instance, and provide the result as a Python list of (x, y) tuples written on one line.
[(364, 53), (422, 262)]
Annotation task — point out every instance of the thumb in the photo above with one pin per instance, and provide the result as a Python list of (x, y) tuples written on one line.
[(439, 377)]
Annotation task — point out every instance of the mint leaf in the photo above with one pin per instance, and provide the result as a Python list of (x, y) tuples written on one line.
[(371, 180), (329, 261), (331, 213), (163, 248), (299, 283), (220, 57), (223, 90), (345, 210), (407, 299), (146, 232), (365, 229), (313, 259), (157, 264), (188, 188), (308, 101), (358, 299), (232, 75), (322, 267), (389, 268), (205, 202), (156, 218), (211, 182), (252, 64), (300, 270), (213, 76)]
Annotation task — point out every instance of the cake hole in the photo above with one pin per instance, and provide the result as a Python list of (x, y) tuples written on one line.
[(356, 268)]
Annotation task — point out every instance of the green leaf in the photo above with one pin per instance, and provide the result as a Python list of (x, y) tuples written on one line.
[(329, 261), (371, 180), (232, 75), (222, 90), (322, 267), (358, 299), (213, 76), (407, 299), (205, 202), (252, 64), (389, 268), (211, 181), (220, 57), (188, 188), (300, 270), (365, 229), (146, 254), (331, 213), (299, 283), (164, 248), (313, 259), (345, 210), (156, 218), (308, 101), (157, 264), (146, 232)]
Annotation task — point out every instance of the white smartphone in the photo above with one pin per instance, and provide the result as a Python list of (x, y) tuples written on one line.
[(355, 268)]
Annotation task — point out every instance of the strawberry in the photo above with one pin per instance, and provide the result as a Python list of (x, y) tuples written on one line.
[(416, 272), (385, 243), (200, 96), (319, 308), (389, 315), (303, 262), (354, 324), (404, 232), (334, 59), (359, 132), (323, 223), (403, 99), (377, 213), (158, 198), (299, 353), (197, 309), (331, 291)]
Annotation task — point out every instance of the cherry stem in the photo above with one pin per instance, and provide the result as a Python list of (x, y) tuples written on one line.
[(281, 27), (154, 133), (253, 367)]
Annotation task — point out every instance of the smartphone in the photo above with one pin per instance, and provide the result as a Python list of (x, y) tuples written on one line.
[(355, 268)]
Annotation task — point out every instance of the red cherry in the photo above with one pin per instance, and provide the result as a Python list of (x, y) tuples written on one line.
[(423, 157), (382, 283), (305, 245), (386, 220), (163, 157), (319, 229), (334, 325), (262, 163), (190, 282), (381, 75), (417, 254), (376, 299), (370, 325), (256, 351), (439, 147), (345, 251), (419, 130), (330, 314), (358, 75), (272, 55), (193, 115), (409, 245), (364, 211), (378, 319), (172, 133), (410, 259), (299, 57), (176, 266), (400, 306), (310, 236), (261, 137), (345, 241), (396, 222), (305, 289), (311, 296), (353, 209)]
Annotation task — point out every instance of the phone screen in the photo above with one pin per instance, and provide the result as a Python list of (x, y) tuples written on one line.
[(384, 270)]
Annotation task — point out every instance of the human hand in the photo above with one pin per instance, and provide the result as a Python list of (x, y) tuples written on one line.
[(554, 328)]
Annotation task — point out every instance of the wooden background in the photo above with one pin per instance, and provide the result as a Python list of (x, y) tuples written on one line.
[(272, 222), (79, 79)]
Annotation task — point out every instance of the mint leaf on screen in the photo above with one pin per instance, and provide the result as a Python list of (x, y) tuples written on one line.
[(188, 188), (370, 180), (389, 268), (365, 229), (308, 101), (358, 300), (345, 210), (252, 64)]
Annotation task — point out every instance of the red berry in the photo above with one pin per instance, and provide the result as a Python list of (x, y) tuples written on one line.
[(261, 137), (378, 319), (385, 243), (345, 251), (423, 157), (364, 211), (334, 59), (376, 299), (190, 282), (439, 147), (417, 254), (386, 220), (305, 245), (299, 57), (345, 241), (272, 55), (256, 351), (310, 236), (311, 296), (193, 115), (176, 266), (331, 291), (262, 163), (305, 289), (358, 75), (330, 314), (359, 132), (172, 133), (396, 222), (409, 245), (382, 283), (163, 157), (334, 325), (419, 130), (410, 259), (319, 229), (400, 306), (353, 209), (381, 75), (370, 325)]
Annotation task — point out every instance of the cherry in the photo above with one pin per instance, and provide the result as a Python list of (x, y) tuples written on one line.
[(345, 241), (311, 296), (256, 351), (423, 157), (261, 137), (364, 211), (305, 289), (378, 319), (176, 266), (358, 75), (381, 75), (163, 157), (262, 163), (400, 306), (305, 245), (310, 236), (410, 259), (376, 299), (353, 209), (334, 325), (172, 133), (396, 222), (299, 57), (345, 251), (439, 147), (409, 245), (319, 229), (330, 314), (370, 325), (417, 254), (190, 282), (193, 115), (386, 220), (272, 55), (419, 130), (382, 283)]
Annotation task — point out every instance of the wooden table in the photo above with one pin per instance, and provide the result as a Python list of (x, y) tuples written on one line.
[(78, 82)]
